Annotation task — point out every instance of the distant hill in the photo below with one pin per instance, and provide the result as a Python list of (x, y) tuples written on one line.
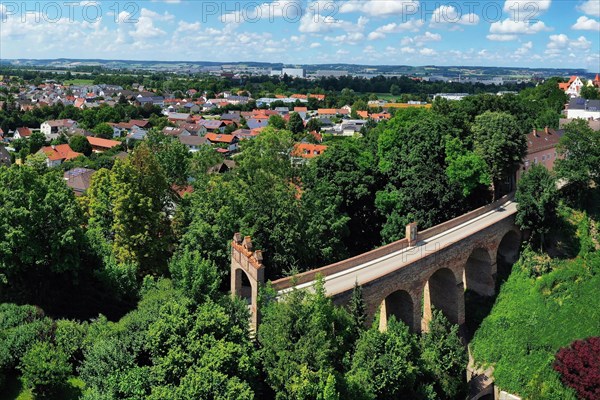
[(182, 66)]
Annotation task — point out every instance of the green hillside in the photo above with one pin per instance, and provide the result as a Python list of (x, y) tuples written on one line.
[(545, 304)]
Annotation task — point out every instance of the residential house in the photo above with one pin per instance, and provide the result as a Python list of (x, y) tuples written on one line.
[(22, 133), (52, 129), (230, 141), (303, 152), (254, 123), (4, 157), (541, 148), (572, 87), (244, 134), (213, 125), (180, 117), (594, 124), (79, 179), (193, 143), (222, 167), (193, 129), (100, 145), (232, 116), (582, 108), (176, 132), (56, 155)]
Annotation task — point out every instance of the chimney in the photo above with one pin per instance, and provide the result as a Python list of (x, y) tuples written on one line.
[(53, 147), (535, 132), (546, 131)]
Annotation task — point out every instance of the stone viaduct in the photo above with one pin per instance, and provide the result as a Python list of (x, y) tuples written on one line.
[(406, 278)]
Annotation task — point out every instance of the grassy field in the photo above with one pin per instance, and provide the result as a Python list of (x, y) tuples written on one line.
[(535, 316), (78, 82)]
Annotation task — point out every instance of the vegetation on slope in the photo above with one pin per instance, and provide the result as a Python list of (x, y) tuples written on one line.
[(546, 304)]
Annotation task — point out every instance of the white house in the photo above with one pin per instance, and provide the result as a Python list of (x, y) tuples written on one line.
[(582, 108), (572, 87), (52, 129)]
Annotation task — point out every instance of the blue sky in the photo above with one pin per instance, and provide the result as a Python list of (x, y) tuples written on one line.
[(527, 33)]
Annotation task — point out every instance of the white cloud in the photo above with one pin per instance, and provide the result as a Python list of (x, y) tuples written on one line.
[(512, 27), (526, 10), (591, 7), (427, 52), (586, 24), (501, 38), (315, 23), (420, 40), (559, 45), (408, 50), (410, 25), (349, 38), (380, 8), (450, 15), (315, 45), (524, 49)]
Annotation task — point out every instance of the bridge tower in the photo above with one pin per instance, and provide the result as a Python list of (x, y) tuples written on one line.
[(247, 263)]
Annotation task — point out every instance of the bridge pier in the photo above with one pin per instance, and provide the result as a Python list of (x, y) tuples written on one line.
[(245, 261)]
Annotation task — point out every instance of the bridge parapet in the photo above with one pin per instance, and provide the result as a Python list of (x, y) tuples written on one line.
[(401, 244)]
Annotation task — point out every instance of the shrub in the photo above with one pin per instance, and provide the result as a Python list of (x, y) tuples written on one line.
[(579, 367), (44, 369)]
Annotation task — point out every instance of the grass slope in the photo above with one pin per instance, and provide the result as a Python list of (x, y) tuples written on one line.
[(536, 315)]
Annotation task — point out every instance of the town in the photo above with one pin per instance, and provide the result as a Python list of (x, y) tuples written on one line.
[(147, 209)]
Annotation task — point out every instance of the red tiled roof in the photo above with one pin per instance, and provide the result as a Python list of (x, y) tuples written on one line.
[(308, 150), (59, 152), (539, 140), (103, 143), (24, 131), (219, 138)]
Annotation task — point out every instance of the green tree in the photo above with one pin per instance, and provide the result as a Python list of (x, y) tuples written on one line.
[(590, 93), (537, 199), (295, 124), (313, 124), (39, 206), (80, 144), (140, 199), (444, 358), (580, 150), (501, 142), (44, 369), (303, 340), (411, 152), (385, 364), (104, 131), (465, 168), (36, 141), (276, 121)]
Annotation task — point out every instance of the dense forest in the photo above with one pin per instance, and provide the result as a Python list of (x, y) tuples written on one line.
[(121, 293)]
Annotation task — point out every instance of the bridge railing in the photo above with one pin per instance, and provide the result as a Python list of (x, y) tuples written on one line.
[(309, 276)]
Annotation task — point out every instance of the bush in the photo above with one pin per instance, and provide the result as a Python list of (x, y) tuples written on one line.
[(579, 367), (44, 369), (80, 144)]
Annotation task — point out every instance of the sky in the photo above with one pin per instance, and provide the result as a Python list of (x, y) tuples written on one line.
[(520, 33)]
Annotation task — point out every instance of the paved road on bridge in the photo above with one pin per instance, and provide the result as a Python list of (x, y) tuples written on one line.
[(369, 271)]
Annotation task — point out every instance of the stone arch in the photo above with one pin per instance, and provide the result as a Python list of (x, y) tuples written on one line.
[(401, 305), (243, 287), (444, 291), (479, 272), (507, 253)]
